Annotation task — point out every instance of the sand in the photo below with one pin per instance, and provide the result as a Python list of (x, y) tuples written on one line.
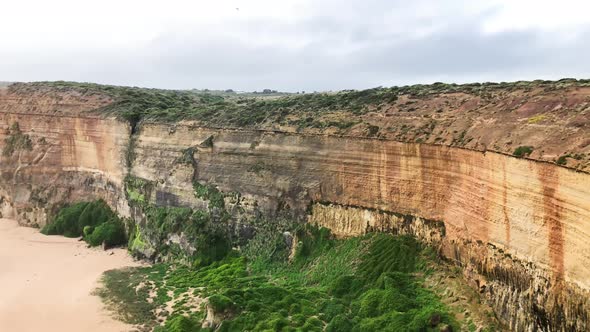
[(46, 282)]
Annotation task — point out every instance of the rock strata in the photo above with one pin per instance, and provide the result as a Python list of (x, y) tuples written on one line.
[(519, 228)]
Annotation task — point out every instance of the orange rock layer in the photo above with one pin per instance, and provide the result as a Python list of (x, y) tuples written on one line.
[(519, 228)]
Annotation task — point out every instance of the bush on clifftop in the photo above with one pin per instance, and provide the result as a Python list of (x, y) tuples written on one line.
[(523, 151)]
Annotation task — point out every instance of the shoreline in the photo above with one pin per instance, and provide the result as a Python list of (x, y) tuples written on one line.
[(47, 282)]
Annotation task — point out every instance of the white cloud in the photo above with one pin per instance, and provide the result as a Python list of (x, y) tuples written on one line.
[(291, 44), (545, 15), (114, 22)]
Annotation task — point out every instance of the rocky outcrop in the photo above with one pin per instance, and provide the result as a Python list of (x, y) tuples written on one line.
[(520, 228)]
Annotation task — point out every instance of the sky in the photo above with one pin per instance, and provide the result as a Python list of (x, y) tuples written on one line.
[(293, 45)]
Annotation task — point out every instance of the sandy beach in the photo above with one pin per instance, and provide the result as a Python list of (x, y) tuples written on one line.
[(46, 282)]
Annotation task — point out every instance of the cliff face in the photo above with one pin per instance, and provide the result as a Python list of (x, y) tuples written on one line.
[(67, 158), (519, 228)]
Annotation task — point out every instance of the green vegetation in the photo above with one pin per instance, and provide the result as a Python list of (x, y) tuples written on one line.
[(209, 193), (523, 151), (288, 277), (16, 141), (179, 324), (561, 160), (71, 220), (111, 233), (137, 189), (135, 104), (203, 235), (132, 308), (95, 221), (340, 110), (370, 283), (203, 240)]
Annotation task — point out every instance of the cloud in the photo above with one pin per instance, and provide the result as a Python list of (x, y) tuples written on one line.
[(293, 45)]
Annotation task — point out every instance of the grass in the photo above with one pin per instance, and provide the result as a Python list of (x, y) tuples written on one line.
[(369, 283), (130, 305)]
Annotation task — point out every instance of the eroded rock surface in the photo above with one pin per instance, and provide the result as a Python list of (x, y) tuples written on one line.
[(519, 228)]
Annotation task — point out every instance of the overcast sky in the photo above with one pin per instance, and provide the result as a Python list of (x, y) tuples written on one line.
[(293, 45)]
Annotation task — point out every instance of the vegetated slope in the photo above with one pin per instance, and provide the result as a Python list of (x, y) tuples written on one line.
[(370, 283), (551, 117)]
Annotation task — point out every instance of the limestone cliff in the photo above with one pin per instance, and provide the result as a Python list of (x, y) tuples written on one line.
[(69, 157), (520, 228)]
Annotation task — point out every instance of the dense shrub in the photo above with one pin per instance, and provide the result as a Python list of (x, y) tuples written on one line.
[(220, 303), (88, 230), (95, 221), (111, 233), (312, 241), (179, 324), (66, 222), (523, 151), (211, 247), (339, 323), (561, 160)]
